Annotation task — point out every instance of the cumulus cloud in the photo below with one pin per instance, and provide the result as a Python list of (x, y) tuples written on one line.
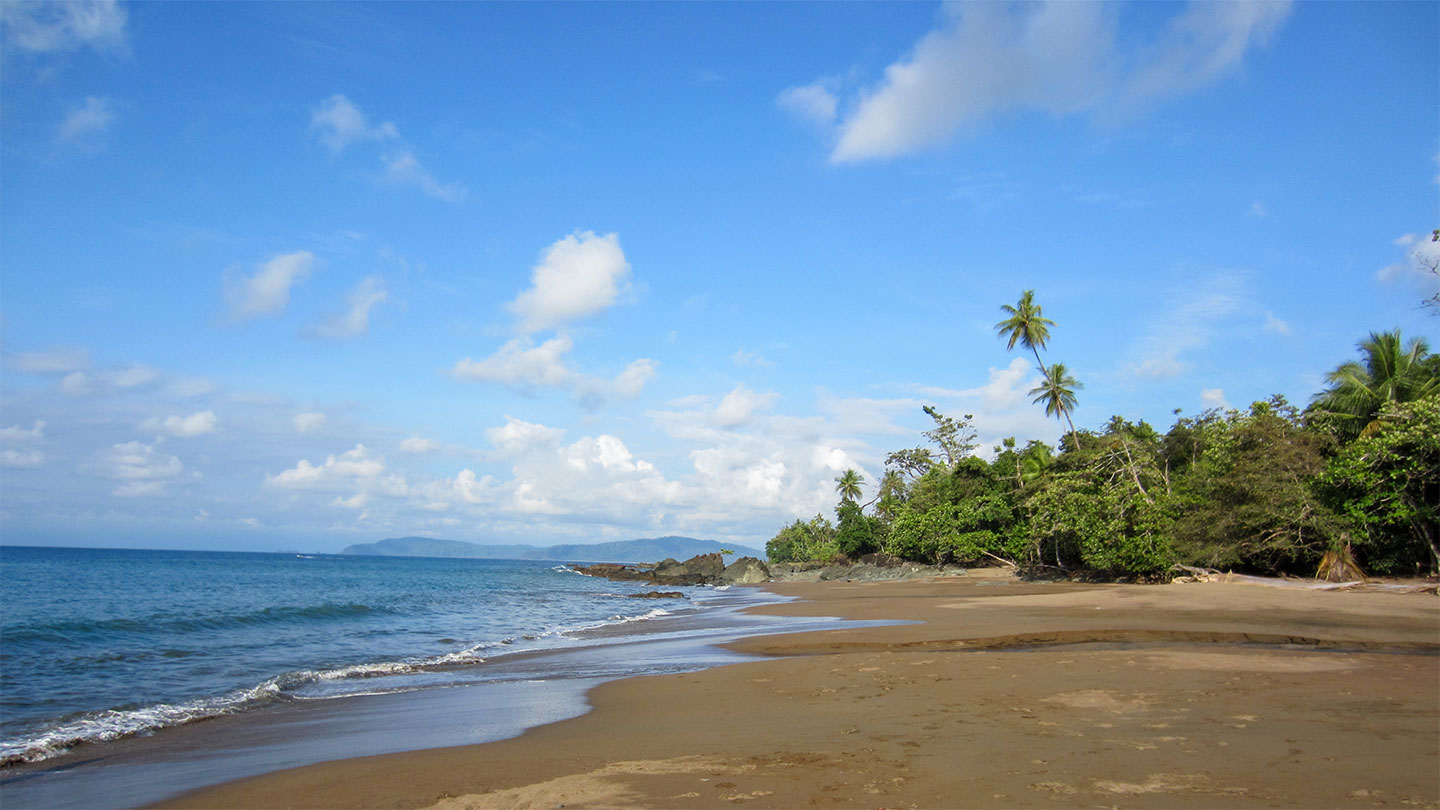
[(741, 404), (354, 322), (76, 384), (63, 25), (1214, 398), (987, 59), (309, 422), (25, 457), (15, 433), (356, 470), (579, 275), (267, 291), (141, 468), (523, 366), (811, 103), (87, 124), (196, 424), (21, 459), (418, 445), (338, 123)]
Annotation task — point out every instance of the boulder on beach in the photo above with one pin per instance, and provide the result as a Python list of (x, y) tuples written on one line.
[(706, 566), (745, 571)]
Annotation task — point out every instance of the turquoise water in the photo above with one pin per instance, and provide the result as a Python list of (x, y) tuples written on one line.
[(102, 644)]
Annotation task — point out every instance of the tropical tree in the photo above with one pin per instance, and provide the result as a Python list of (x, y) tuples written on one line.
[(848, 485), (1025, 326), (1057, 392), (1389, 371)]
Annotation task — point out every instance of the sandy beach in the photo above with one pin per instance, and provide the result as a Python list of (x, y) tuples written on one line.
[(995, 693)]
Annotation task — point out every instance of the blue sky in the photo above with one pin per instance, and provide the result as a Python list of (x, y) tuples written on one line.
[(302, 275)]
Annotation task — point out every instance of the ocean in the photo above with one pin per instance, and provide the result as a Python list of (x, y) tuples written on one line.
[(100, 647)]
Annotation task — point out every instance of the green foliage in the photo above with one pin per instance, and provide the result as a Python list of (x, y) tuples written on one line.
[(857, 533), (1248, 494), (804, 541), (1390, 370), (1388, 482), (847, 484), (1263, 490)]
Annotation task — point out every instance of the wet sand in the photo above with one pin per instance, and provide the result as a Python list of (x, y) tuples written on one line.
[(999, 694)]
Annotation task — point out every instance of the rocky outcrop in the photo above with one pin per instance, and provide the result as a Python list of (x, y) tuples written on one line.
[(658, 595), (702, 569), (746, 571)]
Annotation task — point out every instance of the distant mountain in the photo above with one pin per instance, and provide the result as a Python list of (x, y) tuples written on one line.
[(620, 551)]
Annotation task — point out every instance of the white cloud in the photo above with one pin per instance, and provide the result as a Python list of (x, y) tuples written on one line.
[(1418, 267), (523, 366), (988, 59), (142, 469), (404, 169), (21, 459), (337, 122), (85, 125), (63, 25), (985, 59), (267, 292), (1214, 398), (52, 361), (1190, 321), (741, 404), (356, 470), (579, 275), (1258, 210), (76, 384), (354, 322), (18, 434), (418, 445), (309, 422), (741, 357), (812, 103), (1274, 324), (132, 377), (356, 501), (517, 437), (1205, 42), (196, 424)]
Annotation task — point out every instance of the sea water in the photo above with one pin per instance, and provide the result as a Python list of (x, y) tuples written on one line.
[(97, 645)]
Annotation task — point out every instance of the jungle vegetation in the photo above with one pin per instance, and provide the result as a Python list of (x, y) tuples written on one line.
[(1352, 478)]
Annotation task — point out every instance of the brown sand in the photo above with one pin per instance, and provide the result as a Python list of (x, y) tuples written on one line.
[(1182, 701)]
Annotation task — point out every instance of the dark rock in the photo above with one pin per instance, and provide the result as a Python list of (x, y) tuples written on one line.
[(614, 571), (745, 571), (709, 566), (658, 595), (667, 568)]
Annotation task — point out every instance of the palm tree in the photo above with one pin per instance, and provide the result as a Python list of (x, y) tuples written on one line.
[(1025, 326), (1058, 394), (848, 485), (1389, 371)]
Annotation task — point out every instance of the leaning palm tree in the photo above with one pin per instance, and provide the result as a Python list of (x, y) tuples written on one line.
[(1389, 371), (1058, 394), (1025, 326), (848, 485)]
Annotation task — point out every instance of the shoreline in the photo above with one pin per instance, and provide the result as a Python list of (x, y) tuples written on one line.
[(1001, 694), (497, 698)]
